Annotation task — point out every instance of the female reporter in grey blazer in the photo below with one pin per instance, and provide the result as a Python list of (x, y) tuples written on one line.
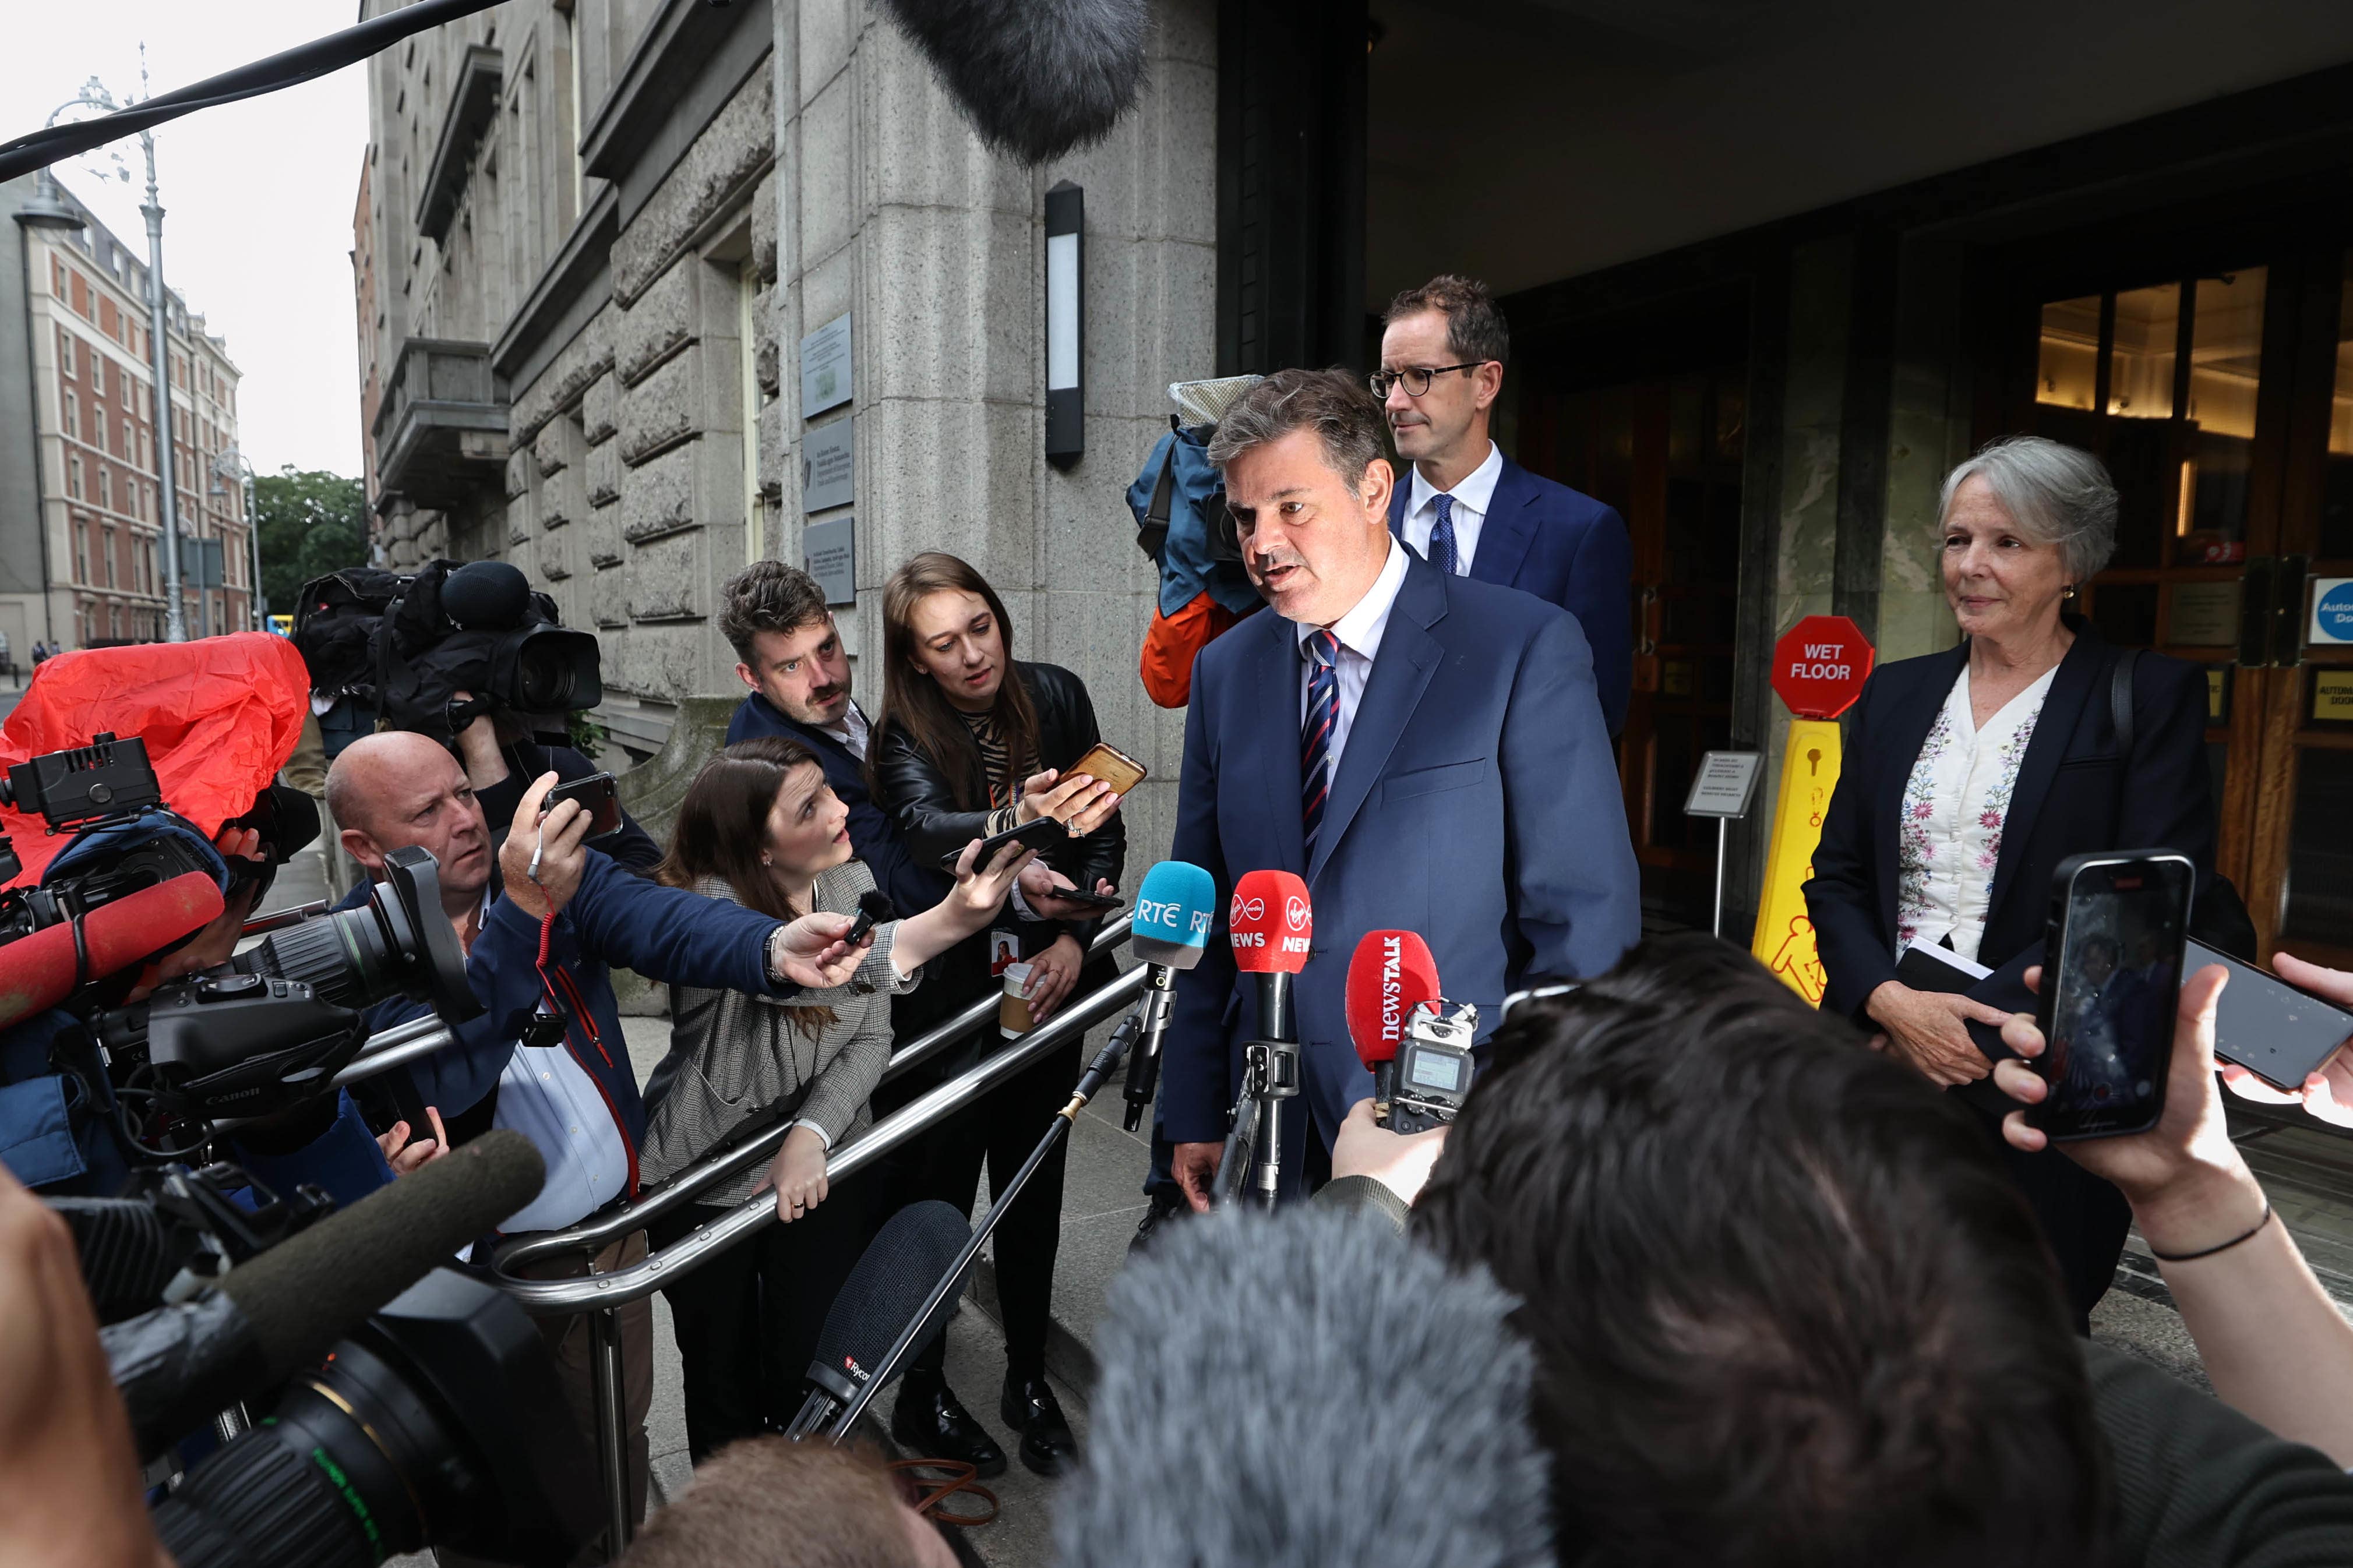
[(761, 827)]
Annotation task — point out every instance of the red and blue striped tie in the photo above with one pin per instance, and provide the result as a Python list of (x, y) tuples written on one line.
[(1315, 734)]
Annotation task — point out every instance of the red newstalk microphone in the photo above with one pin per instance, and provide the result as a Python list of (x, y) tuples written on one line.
[(39, 971), (1270, 923), (1391, 974)]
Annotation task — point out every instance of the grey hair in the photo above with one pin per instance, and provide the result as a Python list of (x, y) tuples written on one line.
[(1332, 403), (2055, 494)]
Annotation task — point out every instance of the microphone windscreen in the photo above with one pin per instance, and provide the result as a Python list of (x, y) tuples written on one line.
[(1270, 923), (1174, 905), (305, 1293), (1390, 974), (1035, 78), (37, 972), (1385, 1421), (892, 1279), (486, 596)]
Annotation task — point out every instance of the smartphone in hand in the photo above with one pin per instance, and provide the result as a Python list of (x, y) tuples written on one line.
[(1035, 834), (1112, 765), (598, 795), (2112, 983)]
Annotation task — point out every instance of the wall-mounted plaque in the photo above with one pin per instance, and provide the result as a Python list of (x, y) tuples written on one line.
[(825, 367), (829, 465), (829, 554), (2205, 615)]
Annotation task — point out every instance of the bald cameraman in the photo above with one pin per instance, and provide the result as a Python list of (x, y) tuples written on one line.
[(546, 1058)]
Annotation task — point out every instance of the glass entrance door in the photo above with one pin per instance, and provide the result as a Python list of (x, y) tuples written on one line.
[(2222, 401), (1666, 452)]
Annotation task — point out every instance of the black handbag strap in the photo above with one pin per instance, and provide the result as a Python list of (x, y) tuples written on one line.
[(2120, 700)]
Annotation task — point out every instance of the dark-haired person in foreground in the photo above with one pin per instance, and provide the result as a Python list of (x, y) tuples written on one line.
[(1786, 1311)]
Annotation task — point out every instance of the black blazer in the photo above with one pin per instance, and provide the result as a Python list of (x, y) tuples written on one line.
[(917, 793), (2074, 794)]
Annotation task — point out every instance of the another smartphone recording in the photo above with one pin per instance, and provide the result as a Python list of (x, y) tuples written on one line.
[(2117, 922)]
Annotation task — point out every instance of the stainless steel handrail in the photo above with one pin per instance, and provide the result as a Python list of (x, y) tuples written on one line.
[(603, 1229), (596, 1292)]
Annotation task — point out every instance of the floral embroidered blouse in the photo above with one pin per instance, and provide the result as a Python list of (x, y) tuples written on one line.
[(1948, 838)]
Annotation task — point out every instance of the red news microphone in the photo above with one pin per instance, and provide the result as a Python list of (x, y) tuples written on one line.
[(39, 971), (1270, 923), (1391, 974)]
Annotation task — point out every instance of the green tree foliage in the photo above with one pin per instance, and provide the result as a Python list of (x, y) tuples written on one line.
[(312, 523)]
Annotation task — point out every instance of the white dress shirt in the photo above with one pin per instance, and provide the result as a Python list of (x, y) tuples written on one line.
[(1359, 631), (1955, 805), (851, 731), (1472, 497)]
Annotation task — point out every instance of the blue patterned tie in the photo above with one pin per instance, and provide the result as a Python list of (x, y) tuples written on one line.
[(1315, 734), (1441, 535)]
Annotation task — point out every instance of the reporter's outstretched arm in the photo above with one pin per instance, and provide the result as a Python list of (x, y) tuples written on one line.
[(69, 1493), (2272, 1341), (979, 892)]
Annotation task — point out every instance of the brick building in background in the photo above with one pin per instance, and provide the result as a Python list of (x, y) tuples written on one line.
[(80, 509)]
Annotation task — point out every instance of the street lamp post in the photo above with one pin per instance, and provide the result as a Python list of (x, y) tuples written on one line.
[(232, 463), (159, 344)]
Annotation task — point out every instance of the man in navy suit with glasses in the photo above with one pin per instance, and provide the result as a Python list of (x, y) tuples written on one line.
[(1469, 511)]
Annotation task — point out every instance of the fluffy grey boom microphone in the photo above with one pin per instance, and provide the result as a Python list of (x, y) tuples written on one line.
[(1035, 77), (1305, 1390)]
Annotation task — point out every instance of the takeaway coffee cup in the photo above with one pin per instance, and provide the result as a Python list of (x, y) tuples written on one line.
[(1013, 1018)]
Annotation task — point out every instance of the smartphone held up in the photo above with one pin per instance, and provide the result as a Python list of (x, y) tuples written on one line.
[(2111, 986)]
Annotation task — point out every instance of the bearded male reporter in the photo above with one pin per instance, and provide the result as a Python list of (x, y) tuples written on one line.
[(573, 1094), (1426, 750)]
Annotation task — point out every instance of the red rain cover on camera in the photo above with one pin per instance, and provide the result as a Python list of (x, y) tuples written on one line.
[(220, 716)]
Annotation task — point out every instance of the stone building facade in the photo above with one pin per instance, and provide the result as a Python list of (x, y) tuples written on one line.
[(598, 234), (80, 509)]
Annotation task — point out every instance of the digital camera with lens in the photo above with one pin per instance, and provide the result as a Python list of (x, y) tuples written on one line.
[(441, 1422)]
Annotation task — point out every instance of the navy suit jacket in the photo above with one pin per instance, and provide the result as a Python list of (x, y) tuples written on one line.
[(910, 886), (1566, 549), (1476, 803)]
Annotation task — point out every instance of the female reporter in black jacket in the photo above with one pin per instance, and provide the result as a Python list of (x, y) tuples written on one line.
[(968, 744), (1969, 775)]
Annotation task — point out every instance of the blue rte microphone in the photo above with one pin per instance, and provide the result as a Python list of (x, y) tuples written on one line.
[(1173, 911), (1170, 932)]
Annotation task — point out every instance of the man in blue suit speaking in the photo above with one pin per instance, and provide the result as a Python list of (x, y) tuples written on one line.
[(1468, 510), (1426, 750)]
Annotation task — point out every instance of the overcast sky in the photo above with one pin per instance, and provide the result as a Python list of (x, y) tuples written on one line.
[(257, 195)]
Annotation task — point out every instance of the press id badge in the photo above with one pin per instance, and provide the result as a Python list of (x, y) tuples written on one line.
[(1004, 948)]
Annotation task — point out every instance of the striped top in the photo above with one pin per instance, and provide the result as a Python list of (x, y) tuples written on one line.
[(995, 766), (733, 1055)]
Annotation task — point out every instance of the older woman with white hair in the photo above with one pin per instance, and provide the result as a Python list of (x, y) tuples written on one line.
[(1969, 775)]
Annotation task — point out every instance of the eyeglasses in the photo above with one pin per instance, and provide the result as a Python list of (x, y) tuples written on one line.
[(1417, 380)]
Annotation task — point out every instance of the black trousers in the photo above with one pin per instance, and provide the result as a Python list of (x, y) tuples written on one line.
[(1001, 1130), (748, 1320)]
